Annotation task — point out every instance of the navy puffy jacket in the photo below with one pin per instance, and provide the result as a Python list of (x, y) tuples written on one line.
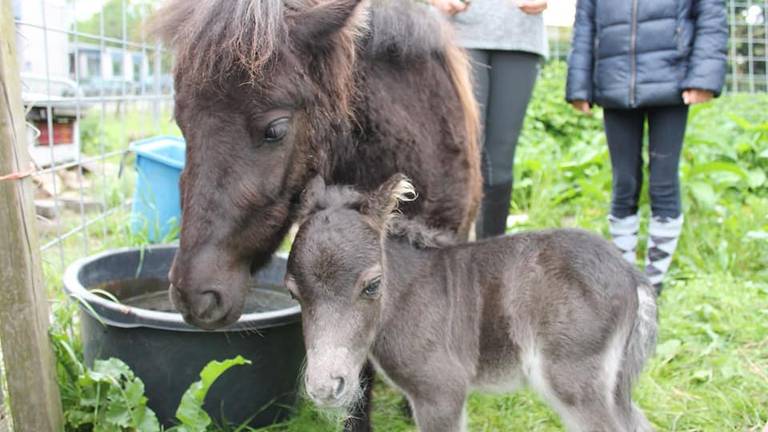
[(639, 53)]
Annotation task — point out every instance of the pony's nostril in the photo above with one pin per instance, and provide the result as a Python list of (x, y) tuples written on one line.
[(207, 304), (338, 387), (216, 297)]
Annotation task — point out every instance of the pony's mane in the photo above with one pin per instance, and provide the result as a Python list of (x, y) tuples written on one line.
[(404, 29), (407, 29), (211, 37), (411, 230)]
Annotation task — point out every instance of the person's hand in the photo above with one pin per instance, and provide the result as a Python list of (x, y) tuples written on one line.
[(532, 7), (582, 106), (450, 7), (697, 96)]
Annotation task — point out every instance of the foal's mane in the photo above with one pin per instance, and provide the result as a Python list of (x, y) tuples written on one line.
[(410, 230)]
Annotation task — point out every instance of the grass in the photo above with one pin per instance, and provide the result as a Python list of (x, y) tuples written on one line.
[(710, 372)]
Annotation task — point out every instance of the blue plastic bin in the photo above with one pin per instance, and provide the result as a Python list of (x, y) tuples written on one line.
[(156, 207)]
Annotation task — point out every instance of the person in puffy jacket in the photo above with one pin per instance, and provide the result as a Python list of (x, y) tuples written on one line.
[(647, 60)]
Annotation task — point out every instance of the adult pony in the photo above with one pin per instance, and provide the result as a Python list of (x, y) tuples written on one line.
[(270, 93)]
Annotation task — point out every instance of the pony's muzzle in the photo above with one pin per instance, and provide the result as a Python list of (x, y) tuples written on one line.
[(208, 309)]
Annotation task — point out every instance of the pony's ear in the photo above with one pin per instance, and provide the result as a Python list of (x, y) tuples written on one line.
[(314, 26), (382, 203), (311, 195)]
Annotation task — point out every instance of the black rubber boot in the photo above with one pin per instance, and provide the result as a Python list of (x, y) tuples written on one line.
[(494, 210)]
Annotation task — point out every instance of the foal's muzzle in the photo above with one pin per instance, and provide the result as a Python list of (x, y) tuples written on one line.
[(331, 393)]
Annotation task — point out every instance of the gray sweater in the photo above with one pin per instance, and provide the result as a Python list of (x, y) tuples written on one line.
[(500, 25)]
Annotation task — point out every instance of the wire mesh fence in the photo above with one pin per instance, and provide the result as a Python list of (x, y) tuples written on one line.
[(747, 51), (92, 82)]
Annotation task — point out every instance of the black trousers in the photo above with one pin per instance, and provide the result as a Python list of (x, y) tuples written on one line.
[(503, 86), (624, 129)]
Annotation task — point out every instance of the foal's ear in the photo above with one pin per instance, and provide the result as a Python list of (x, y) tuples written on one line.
[(312, 193), (383, 202), (315, 25)]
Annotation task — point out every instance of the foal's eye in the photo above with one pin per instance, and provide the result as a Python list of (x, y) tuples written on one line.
[(372, 289), (276, 130)]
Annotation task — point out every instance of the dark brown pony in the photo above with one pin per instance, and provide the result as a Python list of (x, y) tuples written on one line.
[(270, 93)]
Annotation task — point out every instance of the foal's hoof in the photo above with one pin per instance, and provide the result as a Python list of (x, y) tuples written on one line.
[(658, 287), (405, 409), (357, 425)]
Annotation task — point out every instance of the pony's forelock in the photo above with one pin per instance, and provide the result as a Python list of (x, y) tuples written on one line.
[(211, 37)]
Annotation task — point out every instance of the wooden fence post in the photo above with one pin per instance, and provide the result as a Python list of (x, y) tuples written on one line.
[(3, 420), (33, 394)]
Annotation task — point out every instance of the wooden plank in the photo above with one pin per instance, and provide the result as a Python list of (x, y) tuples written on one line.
[(33, 394)]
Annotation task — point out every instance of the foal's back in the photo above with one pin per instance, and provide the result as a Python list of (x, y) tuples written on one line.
[(557, 269)]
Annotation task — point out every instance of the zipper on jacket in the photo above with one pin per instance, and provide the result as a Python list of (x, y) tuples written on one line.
[(632, 56)]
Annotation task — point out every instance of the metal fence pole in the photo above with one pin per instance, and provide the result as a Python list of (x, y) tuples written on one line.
[(34, 395)]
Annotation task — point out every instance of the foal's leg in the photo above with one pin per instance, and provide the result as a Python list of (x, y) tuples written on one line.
[(579, 392), (638, 421), (441, 410), (359, 419)]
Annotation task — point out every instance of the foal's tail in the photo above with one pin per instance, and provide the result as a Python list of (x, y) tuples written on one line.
[(640, 347), (642, 337)]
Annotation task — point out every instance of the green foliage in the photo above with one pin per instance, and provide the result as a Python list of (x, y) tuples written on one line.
[(111, 399), (135, 12), (551, 122), (111, 131), (190, 413)]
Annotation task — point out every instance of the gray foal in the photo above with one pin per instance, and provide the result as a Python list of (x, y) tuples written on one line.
[(558, 310)]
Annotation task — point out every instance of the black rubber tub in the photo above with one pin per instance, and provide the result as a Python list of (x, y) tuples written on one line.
[(167, 354)]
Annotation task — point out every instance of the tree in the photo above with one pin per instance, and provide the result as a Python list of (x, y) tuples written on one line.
[(136, 12)]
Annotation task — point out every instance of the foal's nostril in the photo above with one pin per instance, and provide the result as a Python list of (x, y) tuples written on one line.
[(338, 387)]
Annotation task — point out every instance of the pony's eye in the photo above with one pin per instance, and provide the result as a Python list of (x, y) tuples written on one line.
[(276, 130), (372, 289)]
